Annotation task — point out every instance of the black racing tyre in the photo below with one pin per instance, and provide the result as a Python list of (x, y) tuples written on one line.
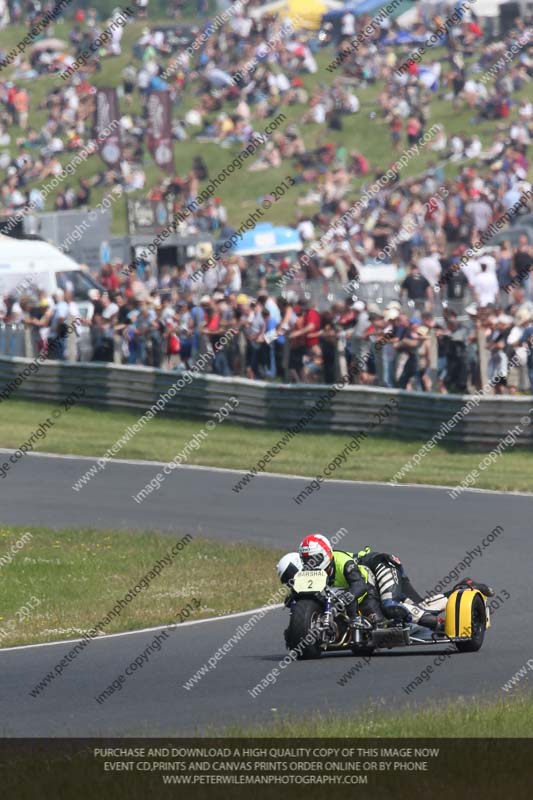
[(303, 615), (479, 626)]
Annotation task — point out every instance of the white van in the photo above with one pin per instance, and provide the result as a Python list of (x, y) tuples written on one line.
[(27, 265)]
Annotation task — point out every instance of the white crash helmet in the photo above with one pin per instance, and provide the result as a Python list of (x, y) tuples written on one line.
[(288, 566)]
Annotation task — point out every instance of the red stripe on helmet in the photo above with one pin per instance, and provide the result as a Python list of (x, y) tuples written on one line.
[(317, 538)]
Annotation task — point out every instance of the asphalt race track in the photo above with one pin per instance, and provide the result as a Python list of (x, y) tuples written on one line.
[(430, 531)]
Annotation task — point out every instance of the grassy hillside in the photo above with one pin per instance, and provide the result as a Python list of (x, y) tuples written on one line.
[(239, 194)]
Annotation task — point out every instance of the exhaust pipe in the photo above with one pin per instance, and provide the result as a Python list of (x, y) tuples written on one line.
[(391, 637)]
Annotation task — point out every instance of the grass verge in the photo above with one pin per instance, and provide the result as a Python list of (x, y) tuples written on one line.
[(90, 431), (506, 717), (77, 577)]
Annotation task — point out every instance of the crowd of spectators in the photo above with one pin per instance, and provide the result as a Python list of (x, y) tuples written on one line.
[(257, 66), (151, 322)]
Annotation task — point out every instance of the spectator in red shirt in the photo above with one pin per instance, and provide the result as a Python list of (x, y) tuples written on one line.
[(312, 324), (109, 278), (475, 29), (213, 327)]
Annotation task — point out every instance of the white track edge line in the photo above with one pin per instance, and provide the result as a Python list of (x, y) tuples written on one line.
[(288, 476), (178, 625)]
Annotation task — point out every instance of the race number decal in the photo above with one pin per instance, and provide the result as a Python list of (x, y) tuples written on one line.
[(310, 580)]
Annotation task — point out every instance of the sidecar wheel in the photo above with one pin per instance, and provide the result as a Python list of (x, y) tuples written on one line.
[(479, 625)]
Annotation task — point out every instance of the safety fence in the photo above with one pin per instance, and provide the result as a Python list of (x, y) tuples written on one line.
[(346, 409), (321, 293), (13, 341)]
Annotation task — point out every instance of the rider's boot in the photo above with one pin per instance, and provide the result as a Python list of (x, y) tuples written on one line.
[(372, 610)]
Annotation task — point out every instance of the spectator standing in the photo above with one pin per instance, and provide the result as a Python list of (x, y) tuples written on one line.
[(416, 287), (312, 325), (328, 346), (456, 354), (480, 211), (498, 364), (485, 286), (297, 345), (504, 264), (58, 326), (522, 260), (406, 347), (430, 267)]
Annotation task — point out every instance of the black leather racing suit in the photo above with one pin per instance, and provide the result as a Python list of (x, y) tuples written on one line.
[(399, 599), (352, 580)]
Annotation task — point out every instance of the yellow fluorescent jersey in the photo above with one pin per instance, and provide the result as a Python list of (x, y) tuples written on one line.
[(340, 559)]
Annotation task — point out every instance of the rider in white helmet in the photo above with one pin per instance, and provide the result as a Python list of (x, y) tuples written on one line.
[(288, 566)]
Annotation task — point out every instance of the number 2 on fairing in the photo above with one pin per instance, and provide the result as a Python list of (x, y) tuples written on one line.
[(310, 581)]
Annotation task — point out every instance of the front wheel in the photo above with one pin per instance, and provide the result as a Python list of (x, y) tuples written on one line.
[(304, 616), (479, 625)]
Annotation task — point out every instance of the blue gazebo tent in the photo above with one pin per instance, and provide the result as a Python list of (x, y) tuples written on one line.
[(268, 238)]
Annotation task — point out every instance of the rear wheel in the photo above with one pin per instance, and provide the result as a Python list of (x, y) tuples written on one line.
[(304, 615), (479, 625)]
